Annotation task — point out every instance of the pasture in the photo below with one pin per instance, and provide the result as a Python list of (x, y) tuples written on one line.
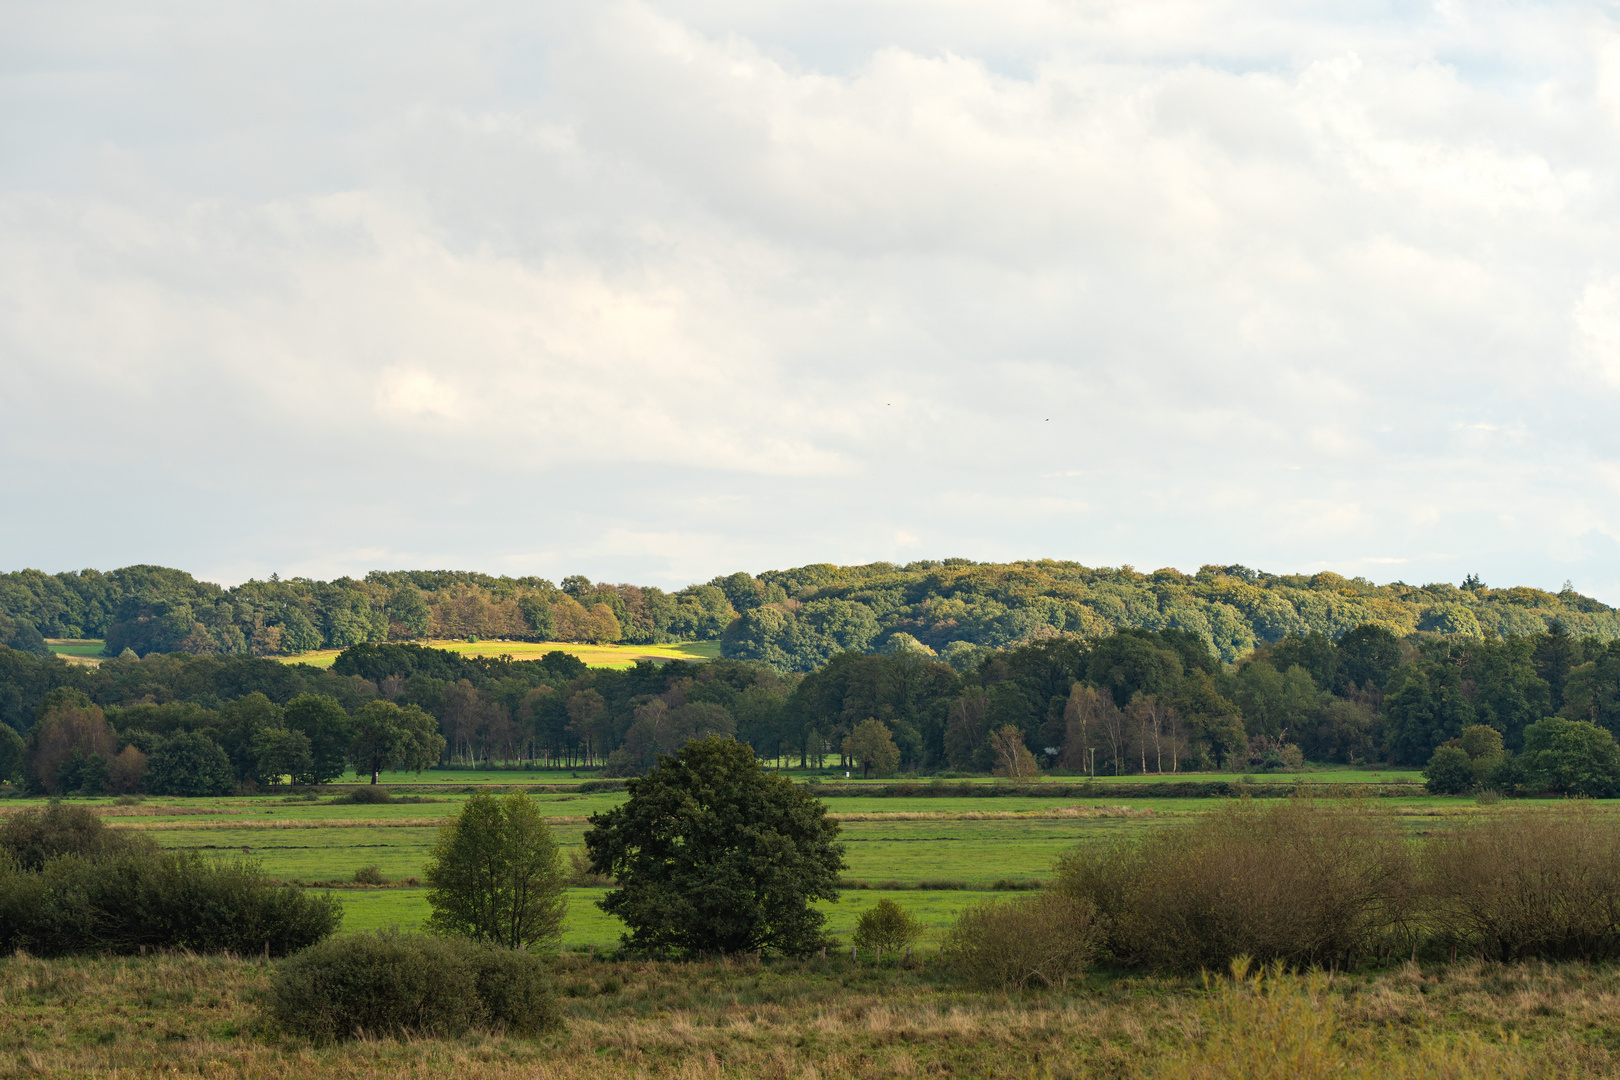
[(932, 855)]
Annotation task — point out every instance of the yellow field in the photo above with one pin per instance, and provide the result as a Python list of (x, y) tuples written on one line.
[(604, 656)]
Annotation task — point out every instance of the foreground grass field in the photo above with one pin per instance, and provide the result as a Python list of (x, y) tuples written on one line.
[(826, 1018)]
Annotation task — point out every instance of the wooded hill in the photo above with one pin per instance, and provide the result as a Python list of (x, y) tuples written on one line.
[(793, 620)]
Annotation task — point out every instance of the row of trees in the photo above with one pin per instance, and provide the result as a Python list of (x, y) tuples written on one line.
[(1135, 701), (184, 750), (792, 620)]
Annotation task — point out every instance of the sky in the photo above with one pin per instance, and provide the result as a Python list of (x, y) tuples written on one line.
[(658, 291)]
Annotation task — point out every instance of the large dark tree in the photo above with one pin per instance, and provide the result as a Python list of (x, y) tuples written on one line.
[(715, 854)]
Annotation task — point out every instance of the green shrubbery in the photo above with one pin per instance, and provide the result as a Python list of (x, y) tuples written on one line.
[(1559, 757), (392, 984), (70, 885), (886, 927)]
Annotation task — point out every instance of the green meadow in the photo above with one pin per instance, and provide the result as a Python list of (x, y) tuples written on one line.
[(933, 855)]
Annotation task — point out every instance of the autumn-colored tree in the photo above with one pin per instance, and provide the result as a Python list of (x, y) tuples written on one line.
[(872, 745), (68, 724)]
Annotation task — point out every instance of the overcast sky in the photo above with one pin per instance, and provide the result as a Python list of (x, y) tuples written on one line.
[(653, 292)]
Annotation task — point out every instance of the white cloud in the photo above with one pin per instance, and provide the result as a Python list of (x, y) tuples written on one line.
[(661, 290)]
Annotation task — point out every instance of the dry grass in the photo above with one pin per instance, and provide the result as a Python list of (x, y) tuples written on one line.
[(200, 1016)]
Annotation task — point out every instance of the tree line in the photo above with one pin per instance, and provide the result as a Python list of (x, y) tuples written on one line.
[(1132, 702), (792, 620)]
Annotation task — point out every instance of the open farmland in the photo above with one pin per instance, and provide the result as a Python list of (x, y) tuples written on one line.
[(932, 855), (596, 656)]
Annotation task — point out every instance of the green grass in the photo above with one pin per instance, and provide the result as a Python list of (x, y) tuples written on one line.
[(586, 924), (75, 646), (598, 656)]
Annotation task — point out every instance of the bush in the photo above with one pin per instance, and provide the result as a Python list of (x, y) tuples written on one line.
[(369, 875), (1450, 772), (1528, 883), (886, 925), (157, 900), (393, 984), (1043, 940), (33, 837), (1293, 882), (369, 795)]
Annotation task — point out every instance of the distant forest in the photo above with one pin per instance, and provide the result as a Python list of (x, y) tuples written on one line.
[(790, 620)]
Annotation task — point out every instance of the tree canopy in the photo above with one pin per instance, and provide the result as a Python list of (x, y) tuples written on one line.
[(715, 854)]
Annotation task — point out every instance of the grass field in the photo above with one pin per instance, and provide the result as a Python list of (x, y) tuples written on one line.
[(905, 848), (825, 1017), (600, 656), (830, 1019), (77, 650)]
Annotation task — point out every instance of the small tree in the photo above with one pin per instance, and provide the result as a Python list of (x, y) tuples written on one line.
[(1449, 772), (496, 875), (886, 925), (1013, 759), (713, 853), (872, 745)]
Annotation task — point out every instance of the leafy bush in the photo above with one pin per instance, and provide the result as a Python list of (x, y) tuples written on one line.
[(33, 837), (1293, 882), (369, 795), (1450, 772), (159, 900), (1528, 883), (886, 925), (1042, 940), (369, 875), (393, 984)]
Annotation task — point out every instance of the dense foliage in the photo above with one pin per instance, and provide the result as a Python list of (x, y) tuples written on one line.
[(714, 854), (70, 885), (792, 620)]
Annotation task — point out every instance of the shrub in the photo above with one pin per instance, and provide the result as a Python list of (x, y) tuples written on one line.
[(1450, 772), (33, 837), (886, 925), (1528, 884), (369, 795), (369, 875), (156, 900), (393, 984), (1043, 940), (1293, 882)]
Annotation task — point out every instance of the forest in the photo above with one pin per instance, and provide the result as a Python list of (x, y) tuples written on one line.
[(1137, 701), (790, 620)]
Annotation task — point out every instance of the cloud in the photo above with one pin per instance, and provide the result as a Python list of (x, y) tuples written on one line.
[(662, 290)]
